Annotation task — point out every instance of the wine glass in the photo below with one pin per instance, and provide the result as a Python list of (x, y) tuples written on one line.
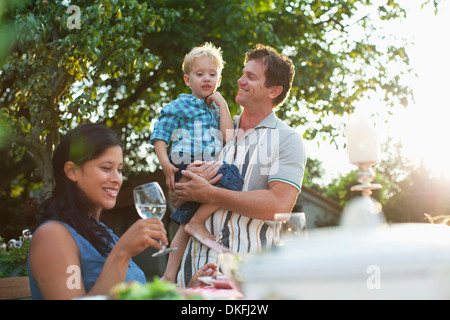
[(150, 203), (288, 227)]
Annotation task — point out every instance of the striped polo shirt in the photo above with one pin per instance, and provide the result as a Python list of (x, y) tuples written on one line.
[(270, 151)]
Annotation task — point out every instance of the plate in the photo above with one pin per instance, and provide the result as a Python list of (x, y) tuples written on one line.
[(218, 281)]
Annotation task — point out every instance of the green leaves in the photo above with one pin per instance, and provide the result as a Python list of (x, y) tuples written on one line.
[(124, 62)]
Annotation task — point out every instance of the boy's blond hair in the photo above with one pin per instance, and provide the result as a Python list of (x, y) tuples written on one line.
[(208, 50)]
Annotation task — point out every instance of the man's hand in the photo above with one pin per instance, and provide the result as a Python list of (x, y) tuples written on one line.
[(197, 178), (195, 188), (205, 172)]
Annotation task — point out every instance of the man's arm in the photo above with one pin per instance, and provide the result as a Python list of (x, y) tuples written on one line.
[(259, 204)]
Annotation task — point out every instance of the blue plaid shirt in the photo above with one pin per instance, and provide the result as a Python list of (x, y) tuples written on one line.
[(193, 128)]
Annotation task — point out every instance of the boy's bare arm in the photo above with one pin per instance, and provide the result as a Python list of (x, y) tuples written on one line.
[(161, 151), (168, 168), (226, 125)]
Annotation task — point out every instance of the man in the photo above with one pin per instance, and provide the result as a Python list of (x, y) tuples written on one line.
[(270, 156)]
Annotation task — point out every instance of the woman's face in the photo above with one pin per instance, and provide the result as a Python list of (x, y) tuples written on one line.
[(101, 178)]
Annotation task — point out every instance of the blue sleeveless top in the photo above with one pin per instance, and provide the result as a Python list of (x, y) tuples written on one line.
[(91, 264)]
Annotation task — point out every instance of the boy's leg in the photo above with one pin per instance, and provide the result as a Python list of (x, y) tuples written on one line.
[(197, 224), (179, 241)]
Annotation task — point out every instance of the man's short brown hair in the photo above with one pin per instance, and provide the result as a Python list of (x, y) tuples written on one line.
[(279, 69)]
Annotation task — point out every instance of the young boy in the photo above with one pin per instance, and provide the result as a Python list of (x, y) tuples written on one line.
[(191, 122)]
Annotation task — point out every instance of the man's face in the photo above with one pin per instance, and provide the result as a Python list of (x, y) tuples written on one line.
[(251, 85)]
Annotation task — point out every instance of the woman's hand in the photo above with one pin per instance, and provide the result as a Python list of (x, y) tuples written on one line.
[(142, 234)]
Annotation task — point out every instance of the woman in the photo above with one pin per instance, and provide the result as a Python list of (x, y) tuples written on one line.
[(72, 253)]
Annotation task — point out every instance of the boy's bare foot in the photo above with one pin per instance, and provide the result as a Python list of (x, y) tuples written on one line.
[(198, 228)]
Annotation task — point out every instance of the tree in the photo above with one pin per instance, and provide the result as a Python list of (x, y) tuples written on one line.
[(54, 72), (421, 194), (118, 61), (340, 188), (409, 193), (313, 175)]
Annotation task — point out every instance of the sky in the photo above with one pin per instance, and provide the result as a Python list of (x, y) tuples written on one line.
[(424, 126)]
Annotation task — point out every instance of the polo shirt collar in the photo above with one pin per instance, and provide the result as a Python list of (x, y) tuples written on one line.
[(269, 122)]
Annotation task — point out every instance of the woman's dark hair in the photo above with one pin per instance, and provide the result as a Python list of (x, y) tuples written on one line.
[(279, 69), (68, 203)]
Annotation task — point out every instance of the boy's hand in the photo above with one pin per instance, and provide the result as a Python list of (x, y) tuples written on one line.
[(217, 98), (169, 172)]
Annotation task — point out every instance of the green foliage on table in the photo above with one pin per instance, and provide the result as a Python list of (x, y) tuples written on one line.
[(156, 290)]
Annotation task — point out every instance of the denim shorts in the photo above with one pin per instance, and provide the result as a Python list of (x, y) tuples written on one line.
[(231, 179)]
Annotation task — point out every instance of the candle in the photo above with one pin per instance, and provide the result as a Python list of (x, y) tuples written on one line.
[(362, 140)]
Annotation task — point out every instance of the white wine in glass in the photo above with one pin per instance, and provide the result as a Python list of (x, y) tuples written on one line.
[(150, 202)]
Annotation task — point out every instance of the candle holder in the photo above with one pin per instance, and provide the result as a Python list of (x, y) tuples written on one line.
[(365, 176), (363, 149), (363, 213)]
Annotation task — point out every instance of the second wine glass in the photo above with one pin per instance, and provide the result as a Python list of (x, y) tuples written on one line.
[(150, 202), (288, 227)]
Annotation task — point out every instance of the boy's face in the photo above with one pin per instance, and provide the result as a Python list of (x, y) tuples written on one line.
[(204, 77)]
